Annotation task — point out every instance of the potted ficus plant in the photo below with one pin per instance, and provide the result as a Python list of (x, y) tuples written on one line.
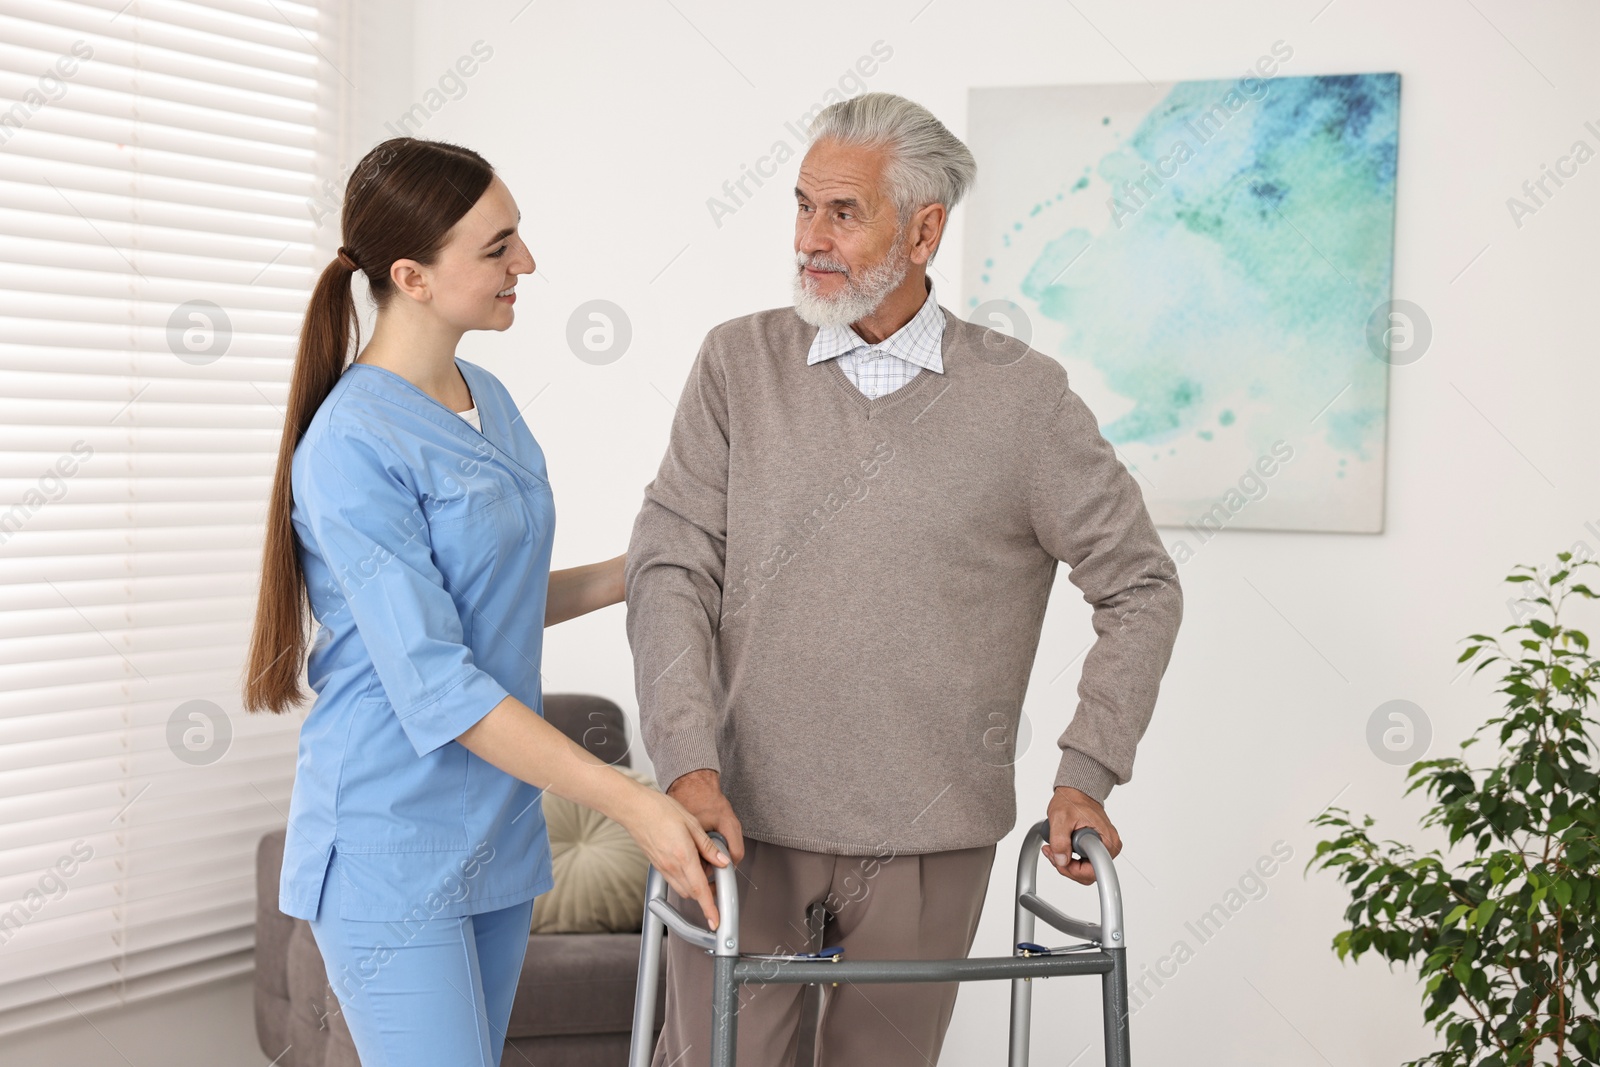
[(1504, 923)]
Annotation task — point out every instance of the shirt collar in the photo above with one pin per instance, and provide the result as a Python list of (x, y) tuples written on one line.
[(918, 342)]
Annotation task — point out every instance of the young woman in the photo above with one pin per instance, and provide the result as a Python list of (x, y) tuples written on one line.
[(411, 509)]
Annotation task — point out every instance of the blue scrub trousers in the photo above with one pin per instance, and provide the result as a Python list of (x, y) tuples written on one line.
[(421, 994)]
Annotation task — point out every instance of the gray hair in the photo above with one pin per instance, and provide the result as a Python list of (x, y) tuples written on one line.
[(927, 163)]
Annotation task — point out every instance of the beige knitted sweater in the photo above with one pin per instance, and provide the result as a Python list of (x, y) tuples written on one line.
[(836, 601)]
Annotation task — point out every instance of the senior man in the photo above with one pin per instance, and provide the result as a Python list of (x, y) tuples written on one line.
[(835, 592)]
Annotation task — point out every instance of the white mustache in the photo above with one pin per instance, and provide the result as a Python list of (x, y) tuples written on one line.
[(819, 262)]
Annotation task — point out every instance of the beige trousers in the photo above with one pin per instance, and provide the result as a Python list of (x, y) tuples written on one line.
[(877, 907)]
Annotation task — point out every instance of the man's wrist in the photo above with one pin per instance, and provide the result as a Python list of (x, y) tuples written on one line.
[(699, 776), (1085, 774), (1071, 794)]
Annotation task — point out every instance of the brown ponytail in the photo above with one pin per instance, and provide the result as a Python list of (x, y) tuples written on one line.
[(400, 203)]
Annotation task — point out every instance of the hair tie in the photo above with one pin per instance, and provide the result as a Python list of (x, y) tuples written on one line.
[(346, 259)]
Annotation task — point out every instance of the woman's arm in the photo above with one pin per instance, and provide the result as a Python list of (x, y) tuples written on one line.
[(579, 590), (517, 739)]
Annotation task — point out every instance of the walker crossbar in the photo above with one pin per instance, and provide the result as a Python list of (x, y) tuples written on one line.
[(982, 969), (1104, 953)]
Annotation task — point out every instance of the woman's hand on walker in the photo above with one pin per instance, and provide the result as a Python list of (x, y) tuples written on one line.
[(518, 740), (676, 846)]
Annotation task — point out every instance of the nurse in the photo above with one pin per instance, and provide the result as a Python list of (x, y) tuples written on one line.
[(411, 512)]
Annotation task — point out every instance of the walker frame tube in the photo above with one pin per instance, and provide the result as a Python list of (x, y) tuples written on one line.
[(1104, 953)]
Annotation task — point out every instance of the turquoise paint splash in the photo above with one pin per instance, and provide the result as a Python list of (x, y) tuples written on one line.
[(1250, 272)]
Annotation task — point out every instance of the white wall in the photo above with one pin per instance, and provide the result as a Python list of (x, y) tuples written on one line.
[(614, 123)]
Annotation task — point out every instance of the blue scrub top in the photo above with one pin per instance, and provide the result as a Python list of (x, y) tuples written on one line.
[(426, 549)]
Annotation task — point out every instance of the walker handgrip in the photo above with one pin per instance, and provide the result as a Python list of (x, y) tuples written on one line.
[(726, 940), (727, 891), (1086, 843)]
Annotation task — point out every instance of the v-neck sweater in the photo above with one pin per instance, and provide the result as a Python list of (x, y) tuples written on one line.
[(835, 601)]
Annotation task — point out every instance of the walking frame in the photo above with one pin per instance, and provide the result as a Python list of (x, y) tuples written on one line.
[(1102, 951)]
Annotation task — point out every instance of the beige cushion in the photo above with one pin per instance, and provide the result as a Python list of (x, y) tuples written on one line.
[(599, 871)]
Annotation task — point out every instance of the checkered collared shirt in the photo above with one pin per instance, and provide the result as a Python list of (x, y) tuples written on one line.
[(880, 369)]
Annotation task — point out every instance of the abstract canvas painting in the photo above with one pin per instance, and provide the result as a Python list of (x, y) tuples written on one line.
[(1211, 261)]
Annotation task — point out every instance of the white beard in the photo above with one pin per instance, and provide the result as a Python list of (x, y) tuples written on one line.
[(862, 295)]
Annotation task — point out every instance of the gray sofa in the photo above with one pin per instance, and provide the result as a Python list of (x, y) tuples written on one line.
[(574, 1003)]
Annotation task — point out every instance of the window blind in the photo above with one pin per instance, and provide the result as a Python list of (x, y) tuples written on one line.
[(159, 161)]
